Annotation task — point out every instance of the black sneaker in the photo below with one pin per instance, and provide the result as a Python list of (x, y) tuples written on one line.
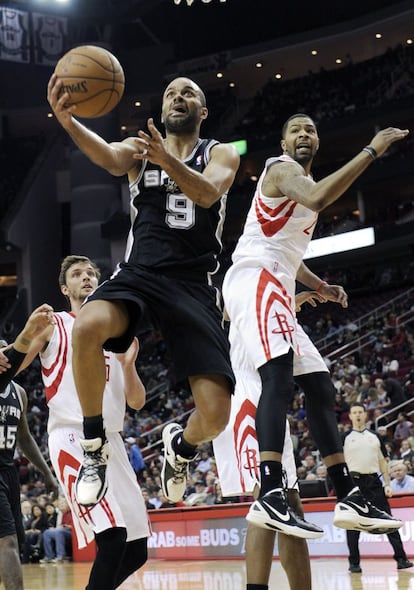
[(355, 568), (272, 511), (174, 468), (403, 564), (91, 483), (354, 513)]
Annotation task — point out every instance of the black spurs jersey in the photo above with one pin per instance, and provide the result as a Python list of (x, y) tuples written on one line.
[(11, 408), (169, 232)]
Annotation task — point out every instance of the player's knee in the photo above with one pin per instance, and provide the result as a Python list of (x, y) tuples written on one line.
[(215, 422)]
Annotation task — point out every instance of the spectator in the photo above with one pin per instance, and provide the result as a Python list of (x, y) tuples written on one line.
[(394, 390), (164, 502), (146, 495), (401, 482), (341, 407), (392, 455), (390, 366), (135, 455), (26, 508), (204, 463), (310, 464), (57, 541), (382, 398), (403, 427), (33, 534), (406, 451), (382, 432), (199, 496), (411, 437)]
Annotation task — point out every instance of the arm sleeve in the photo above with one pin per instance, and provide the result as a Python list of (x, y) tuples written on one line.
[(15, 359)]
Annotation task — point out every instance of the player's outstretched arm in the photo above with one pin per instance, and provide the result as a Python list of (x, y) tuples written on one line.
[(115, 157), (287, 178), (334, 293), (41, 318)]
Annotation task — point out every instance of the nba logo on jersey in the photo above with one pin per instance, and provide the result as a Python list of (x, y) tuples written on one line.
[(71, 437)]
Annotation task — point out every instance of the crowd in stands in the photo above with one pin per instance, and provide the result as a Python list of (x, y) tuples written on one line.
[(47, 526), (330, 94)]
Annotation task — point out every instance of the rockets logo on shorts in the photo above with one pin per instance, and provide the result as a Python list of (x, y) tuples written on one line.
[(275, 316), (245, 444)]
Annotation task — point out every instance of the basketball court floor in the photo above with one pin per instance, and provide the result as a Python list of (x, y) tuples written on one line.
[(327, 574)]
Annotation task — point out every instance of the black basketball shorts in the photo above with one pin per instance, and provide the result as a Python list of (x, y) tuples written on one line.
[(11, 522), (186, 313)]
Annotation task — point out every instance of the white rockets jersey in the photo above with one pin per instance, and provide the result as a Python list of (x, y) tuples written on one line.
[(61, 396), (277, 230)]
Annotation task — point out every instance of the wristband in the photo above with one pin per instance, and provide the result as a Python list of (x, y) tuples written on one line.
[(371, 151), (15, 359), (321, 284)]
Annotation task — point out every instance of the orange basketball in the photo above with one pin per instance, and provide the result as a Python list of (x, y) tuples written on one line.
[(93, 78)]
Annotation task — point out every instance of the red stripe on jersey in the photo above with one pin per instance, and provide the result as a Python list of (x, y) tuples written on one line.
[(107, 509), (61, 358), (279, 295), (270, 227), (247, 409)]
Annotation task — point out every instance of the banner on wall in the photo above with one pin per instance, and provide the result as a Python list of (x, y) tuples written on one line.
[(14, 35), (210, 538), (50, 35), (26, 37)]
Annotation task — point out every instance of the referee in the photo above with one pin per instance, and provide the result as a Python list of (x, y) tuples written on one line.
[(365, 455)]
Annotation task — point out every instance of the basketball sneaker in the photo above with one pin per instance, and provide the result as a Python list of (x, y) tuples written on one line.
[(174, 468), (272, 511), (354, 513), (91, 483)]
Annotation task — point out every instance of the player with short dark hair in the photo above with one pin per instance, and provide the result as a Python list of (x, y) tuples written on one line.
[(259, 294), (178, 186)]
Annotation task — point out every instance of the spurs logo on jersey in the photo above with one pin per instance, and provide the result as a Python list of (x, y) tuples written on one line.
[(11, 407)]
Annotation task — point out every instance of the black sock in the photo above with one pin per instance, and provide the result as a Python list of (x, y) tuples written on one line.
[(257, 587), (183, 448), (93, 427), (341, 479), (270, 476)]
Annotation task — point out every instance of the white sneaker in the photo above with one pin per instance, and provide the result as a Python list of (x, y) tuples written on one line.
[(174, 468), (91, 483)]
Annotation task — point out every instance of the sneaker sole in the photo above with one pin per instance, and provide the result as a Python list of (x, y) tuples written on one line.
[(264, 522), (355, 522), (166, 439)]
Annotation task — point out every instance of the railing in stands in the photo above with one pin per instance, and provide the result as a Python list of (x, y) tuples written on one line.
[(326, 343)]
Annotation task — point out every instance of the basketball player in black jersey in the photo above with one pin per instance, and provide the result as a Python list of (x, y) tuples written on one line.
[(178, 190), (14, 431)]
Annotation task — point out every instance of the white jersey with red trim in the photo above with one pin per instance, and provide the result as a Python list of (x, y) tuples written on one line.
[(61, 396), (277, 230), (259, 288)]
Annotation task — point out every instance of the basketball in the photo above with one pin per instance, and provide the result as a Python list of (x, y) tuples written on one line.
[(93, 78)]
